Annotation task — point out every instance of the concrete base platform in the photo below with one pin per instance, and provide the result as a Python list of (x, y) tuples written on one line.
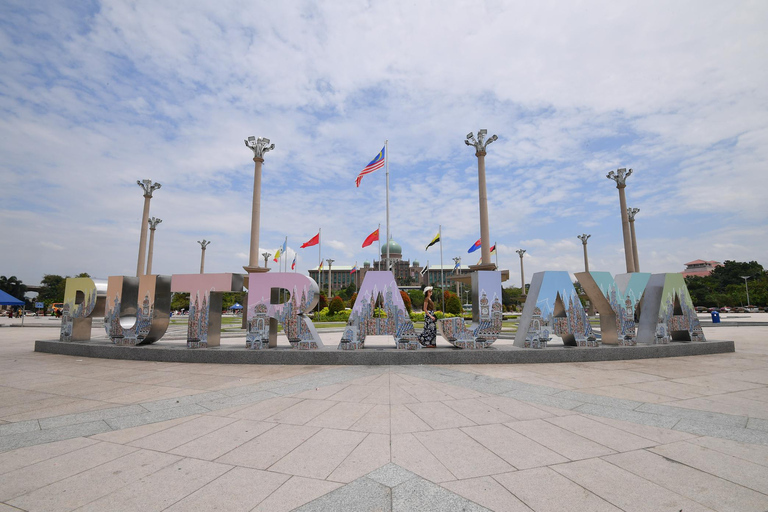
[(377, 356)]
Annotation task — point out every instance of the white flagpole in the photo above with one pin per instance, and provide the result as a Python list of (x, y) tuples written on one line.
[(386, 159), (319, 262), (378, 230), (442, 282), (496, 249)]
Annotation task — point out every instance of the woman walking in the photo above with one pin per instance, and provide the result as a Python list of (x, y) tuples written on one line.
[(428, 335)]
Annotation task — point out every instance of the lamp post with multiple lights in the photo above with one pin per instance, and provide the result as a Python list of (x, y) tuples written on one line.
[(620, 177), (631, 212), (480, 144), (148, 187), (584, 237), (259, 147), (520, 252), (330, 262), (203, 245), (153, 222), (746, 286)]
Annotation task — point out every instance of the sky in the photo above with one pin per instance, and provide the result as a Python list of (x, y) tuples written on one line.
[(96, 95)]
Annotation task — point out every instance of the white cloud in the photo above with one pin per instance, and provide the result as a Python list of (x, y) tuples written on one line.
[(93, 101)]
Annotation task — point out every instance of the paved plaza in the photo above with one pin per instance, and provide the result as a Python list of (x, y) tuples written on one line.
[(688, 433)]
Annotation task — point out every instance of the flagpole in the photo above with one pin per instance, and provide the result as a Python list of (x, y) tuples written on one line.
[(319, 262), (497, 255), (386, 159), (378, 238), (442, 281)]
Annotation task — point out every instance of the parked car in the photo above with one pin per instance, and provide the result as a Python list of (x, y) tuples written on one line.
[(712, 310), (701, 309), (739, 310), (752, 309), (725, 309)]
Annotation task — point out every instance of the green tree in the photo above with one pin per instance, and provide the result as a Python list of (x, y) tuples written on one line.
[(453, 304), (511, 297), (725, 285), (180, 301), (52, 289), (13, 286), (230, 298), (417, 298), (337, 305), (352, 300)]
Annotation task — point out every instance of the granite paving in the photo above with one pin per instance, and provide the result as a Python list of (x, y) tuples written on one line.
[(686, 433)]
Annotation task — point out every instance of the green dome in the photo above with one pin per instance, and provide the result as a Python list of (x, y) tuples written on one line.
[(415, 263), (394, 248), (366, 263)]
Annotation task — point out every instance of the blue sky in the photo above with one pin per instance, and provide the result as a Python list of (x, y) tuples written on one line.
[(95, 97)]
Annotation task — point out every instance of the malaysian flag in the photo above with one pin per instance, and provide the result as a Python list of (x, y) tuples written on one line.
[(375, 164)]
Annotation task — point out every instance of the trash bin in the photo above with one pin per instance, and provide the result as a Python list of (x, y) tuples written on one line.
[(715, 317)]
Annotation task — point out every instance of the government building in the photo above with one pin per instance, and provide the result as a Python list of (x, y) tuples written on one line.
[(407, 274)]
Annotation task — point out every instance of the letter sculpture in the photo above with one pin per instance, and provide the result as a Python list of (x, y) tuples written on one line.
[(553, 306), (206, 292), (265, 310), (486, 320), (617, 302), (362, 320), (79, 306), (667, 312), (129, 322)]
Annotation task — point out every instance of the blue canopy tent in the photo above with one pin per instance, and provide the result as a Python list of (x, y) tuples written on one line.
[(9, 300), (236, 305)]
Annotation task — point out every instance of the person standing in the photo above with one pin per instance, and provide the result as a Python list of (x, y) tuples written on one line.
[(428, 335)]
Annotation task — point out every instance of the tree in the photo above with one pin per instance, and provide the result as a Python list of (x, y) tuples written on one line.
[(323, 301), (417, 298), (511, 296), (337, 305), (230, 298), (453, 304), (52, 289), (406, 301), (725, 285), (180, 301), (13, 286), (352, 300)]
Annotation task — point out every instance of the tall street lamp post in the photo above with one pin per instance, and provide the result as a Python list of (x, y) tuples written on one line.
[(620, 177), (153, 222), (456, 268), (259, 147), (631, 212), (522, 271), (148, 187), (203, 245), (330, 262), (747, 287), (266, 256), (584, 237), (480, 146)]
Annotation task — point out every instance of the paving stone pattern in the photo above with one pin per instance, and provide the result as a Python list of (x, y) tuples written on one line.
[(87, 434)]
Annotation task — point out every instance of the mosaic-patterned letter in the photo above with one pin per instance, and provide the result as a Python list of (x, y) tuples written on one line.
[(129, 322), (553, 306), (667, 312), (616, 300), (265, 310), (486, 321), (205, 296), (79, 304), (379, 285)]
